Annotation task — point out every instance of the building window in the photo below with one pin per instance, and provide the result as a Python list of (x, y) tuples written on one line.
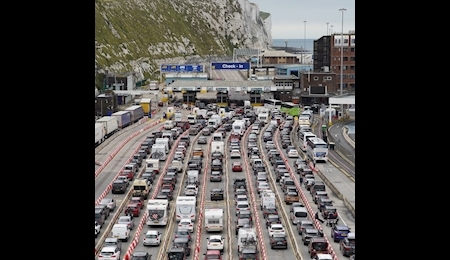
[(352, 76), (345, 40), (344, 67), (352, 49), (345, 58), (353, 58), (316, 78), (345, 49), (344, 76), (334, 58), (352, 67)]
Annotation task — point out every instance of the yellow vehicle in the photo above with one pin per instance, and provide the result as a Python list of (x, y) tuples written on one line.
[(141, 188), (197, 152)]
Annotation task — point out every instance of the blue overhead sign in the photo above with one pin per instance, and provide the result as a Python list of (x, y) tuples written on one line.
[(230, 65), (181, 68)]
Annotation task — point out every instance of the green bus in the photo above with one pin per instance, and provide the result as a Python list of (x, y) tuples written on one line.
[(290, 108)]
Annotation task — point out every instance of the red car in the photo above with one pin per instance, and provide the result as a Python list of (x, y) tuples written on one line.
[(213, 254), (237, 167), (135, 209), (128, 173), (138, 200)]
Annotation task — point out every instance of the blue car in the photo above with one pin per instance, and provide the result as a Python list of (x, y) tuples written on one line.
[(339, 232)]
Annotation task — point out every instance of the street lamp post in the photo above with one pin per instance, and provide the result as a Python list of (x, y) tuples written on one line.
[(342, 54), (331, 29), (327, 28), (304, 41)]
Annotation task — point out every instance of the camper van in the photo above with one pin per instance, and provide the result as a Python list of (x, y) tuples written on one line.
[(214, 220)]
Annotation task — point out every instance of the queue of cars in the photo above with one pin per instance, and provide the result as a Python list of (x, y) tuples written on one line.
[(311, 237)]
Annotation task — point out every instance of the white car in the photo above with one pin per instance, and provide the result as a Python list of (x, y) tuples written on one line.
[(323, 257), (109, 253), (269, 143), (263, 186), (152, 238), (97, 228), (187, 224), (276, 229), (191, 190), (215, 242), (109, 202), (235, 154), (126, 220), (293, 153), (124, 178)]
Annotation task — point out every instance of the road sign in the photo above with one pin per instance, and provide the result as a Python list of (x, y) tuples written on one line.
[(230, 65), (181, 68)]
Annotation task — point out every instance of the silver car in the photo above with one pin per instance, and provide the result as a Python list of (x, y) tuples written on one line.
[(109, 202), (126, 220)]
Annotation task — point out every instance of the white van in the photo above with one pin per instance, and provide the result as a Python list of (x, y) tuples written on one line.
[(121, 231), (298, 214)]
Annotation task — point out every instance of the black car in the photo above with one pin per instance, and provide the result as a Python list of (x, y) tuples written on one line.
[(183, 242), (322, 202), (119, 186), (137, 158), (278, 241), (167, 192), (141, 255), (227, 127), (178, 253), (216, 194), (271, 219)]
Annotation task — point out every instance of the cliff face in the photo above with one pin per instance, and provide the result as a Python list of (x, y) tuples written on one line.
[(139, 35)]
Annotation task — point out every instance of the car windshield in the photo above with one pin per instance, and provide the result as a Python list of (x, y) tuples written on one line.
[(277, 228), (318, 246), (151, 236), (215, 239), (212, 256), (176, 255), (279, 238)]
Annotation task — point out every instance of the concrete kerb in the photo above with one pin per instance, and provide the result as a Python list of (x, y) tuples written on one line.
[(347, 138), (252, 193), (278, 199), (305, 200)]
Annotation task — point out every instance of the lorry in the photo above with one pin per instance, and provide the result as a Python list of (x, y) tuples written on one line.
[(158, 152), (146, 104), (165, 142), (214, 220), (141, 188), (178, 116), (123, 118), (137, 112), (246, 239), (152, 165), (238, 127), (100, 133), (110, 124), (218, 146), (192, 119)]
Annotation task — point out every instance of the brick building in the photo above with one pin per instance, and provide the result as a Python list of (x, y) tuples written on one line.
[(327, 53)]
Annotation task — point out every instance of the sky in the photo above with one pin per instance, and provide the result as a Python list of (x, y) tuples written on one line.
[(288, 17)]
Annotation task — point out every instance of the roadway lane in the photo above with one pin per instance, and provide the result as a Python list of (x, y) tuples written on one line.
[(345, 215), (109, 173), (115, 165), (270, 253), (168, 231), (105, 149)]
